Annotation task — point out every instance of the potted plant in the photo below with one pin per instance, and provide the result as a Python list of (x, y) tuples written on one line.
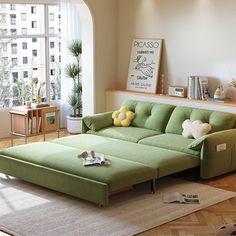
[(73, 71)]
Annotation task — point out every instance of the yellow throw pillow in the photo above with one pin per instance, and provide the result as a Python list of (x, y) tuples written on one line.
[(123, 117)]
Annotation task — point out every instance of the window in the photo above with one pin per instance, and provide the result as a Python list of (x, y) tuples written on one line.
[(25, 60), (24, 31), (24, 45), (52, 44), (13, 19), (23, 16), (34, 53), (3, 47), (12, 6), (33, 9), (4, 60), (25, 74), (3, 6), (34, 24), (13, 48), (29, 52), (52, 58), (13, 31), (14, 77), (51, 30), (52, 72), (51, 16), (14, 61), (3, 17)]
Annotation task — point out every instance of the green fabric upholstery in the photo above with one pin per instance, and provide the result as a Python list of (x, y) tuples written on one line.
[(164, 161), (218, 120), (120, 173), (148, 115), (97, 122), (215, 162), (172, 142), (132, 134)]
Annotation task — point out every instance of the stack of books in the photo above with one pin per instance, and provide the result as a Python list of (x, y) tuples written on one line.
[(198, 87)]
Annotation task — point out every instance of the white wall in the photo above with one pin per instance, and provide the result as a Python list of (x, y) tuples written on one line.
[(199, 37)]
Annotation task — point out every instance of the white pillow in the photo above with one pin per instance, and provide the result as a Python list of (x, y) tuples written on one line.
[(195, 129)]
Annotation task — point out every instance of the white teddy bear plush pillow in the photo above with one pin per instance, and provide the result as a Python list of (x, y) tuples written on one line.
[(195, 129)]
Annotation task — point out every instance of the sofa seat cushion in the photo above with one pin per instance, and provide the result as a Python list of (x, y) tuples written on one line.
[(164, 161), (131, 134), (119, 174), (172, 142)]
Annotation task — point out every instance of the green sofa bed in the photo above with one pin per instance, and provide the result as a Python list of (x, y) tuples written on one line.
[(152, 147)]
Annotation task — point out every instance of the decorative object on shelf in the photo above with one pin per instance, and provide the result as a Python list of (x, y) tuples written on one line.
[(177, 91), (73, 70), (144, 65), (162, 85), (233, 83), (38, 100), (219, 93)]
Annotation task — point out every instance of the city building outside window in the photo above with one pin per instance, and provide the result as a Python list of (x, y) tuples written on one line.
[(51, 16), (24, 45), (14, 61), (25, 74), (34, 24), (24, 31), (3, 17), (34, 53), (13, 19), (13, 31), (25, 60), (14, 77), (23, 16), (12, 6), (25, 56), (33, 9), (13, 48), (52, 44), (52, 58)]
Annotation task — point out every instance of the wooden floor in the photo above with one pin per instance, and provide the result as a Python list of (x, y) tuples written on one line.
[(202, 223)]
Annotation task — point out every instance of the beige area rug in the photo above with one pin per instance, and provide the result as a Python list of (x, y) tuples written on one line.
[(27, 209)]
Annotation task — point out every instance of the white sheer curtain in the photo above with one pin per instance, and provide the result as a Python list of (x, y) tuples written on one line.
[(70, 30)]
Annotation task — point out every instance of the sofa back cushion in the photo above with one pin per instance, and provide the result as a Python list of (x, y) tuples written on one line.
[(148, 115), (218, 120)]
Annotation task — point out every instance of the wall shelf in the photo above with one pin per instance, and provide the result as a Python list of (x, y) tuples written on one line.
[(115, 97)]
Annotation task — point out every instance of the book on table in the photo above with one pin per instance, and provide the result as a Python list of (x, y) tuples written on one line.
[(177, 197)]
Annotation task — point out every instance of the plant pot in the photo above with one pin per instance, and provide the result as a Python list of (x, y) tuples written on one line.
[(74, 124)]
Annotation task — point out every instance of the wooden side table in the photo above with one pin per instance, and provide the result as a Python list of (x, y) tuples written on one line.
[(26, 122)]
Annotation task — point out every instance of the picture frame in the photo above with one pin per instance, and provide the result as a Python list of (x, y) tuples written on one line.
[(144, 65)]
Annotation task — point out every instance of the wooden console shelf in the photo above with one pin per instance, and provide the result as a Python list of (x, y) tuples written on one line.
[(225, 103), (26, 122)]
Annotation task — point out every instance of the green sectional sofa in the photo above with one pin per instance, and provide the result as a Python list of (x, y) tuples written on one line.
[(152, 147)]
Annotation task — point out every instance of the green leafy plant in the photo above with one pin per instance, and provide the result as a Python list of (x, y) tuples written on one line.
[(73, 71)]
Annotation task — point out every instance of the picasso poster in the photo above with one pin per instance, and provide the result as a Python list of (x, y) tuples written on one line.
[(144, 65)]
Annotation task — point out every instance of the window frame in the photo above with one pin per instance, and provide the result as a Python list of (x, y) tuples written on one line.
[(46, 36)]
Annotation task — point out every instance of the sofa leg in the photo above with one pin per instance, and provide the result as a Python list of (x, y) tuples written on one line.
[(153, 186)]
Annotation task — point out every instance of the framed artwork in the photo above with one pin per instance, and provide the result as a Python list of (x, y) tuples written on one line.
[(144, 65)]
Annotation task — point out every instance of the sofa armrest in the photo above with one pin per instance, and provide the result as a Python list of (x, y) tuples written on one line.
[(97, 121), (218, 153)]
